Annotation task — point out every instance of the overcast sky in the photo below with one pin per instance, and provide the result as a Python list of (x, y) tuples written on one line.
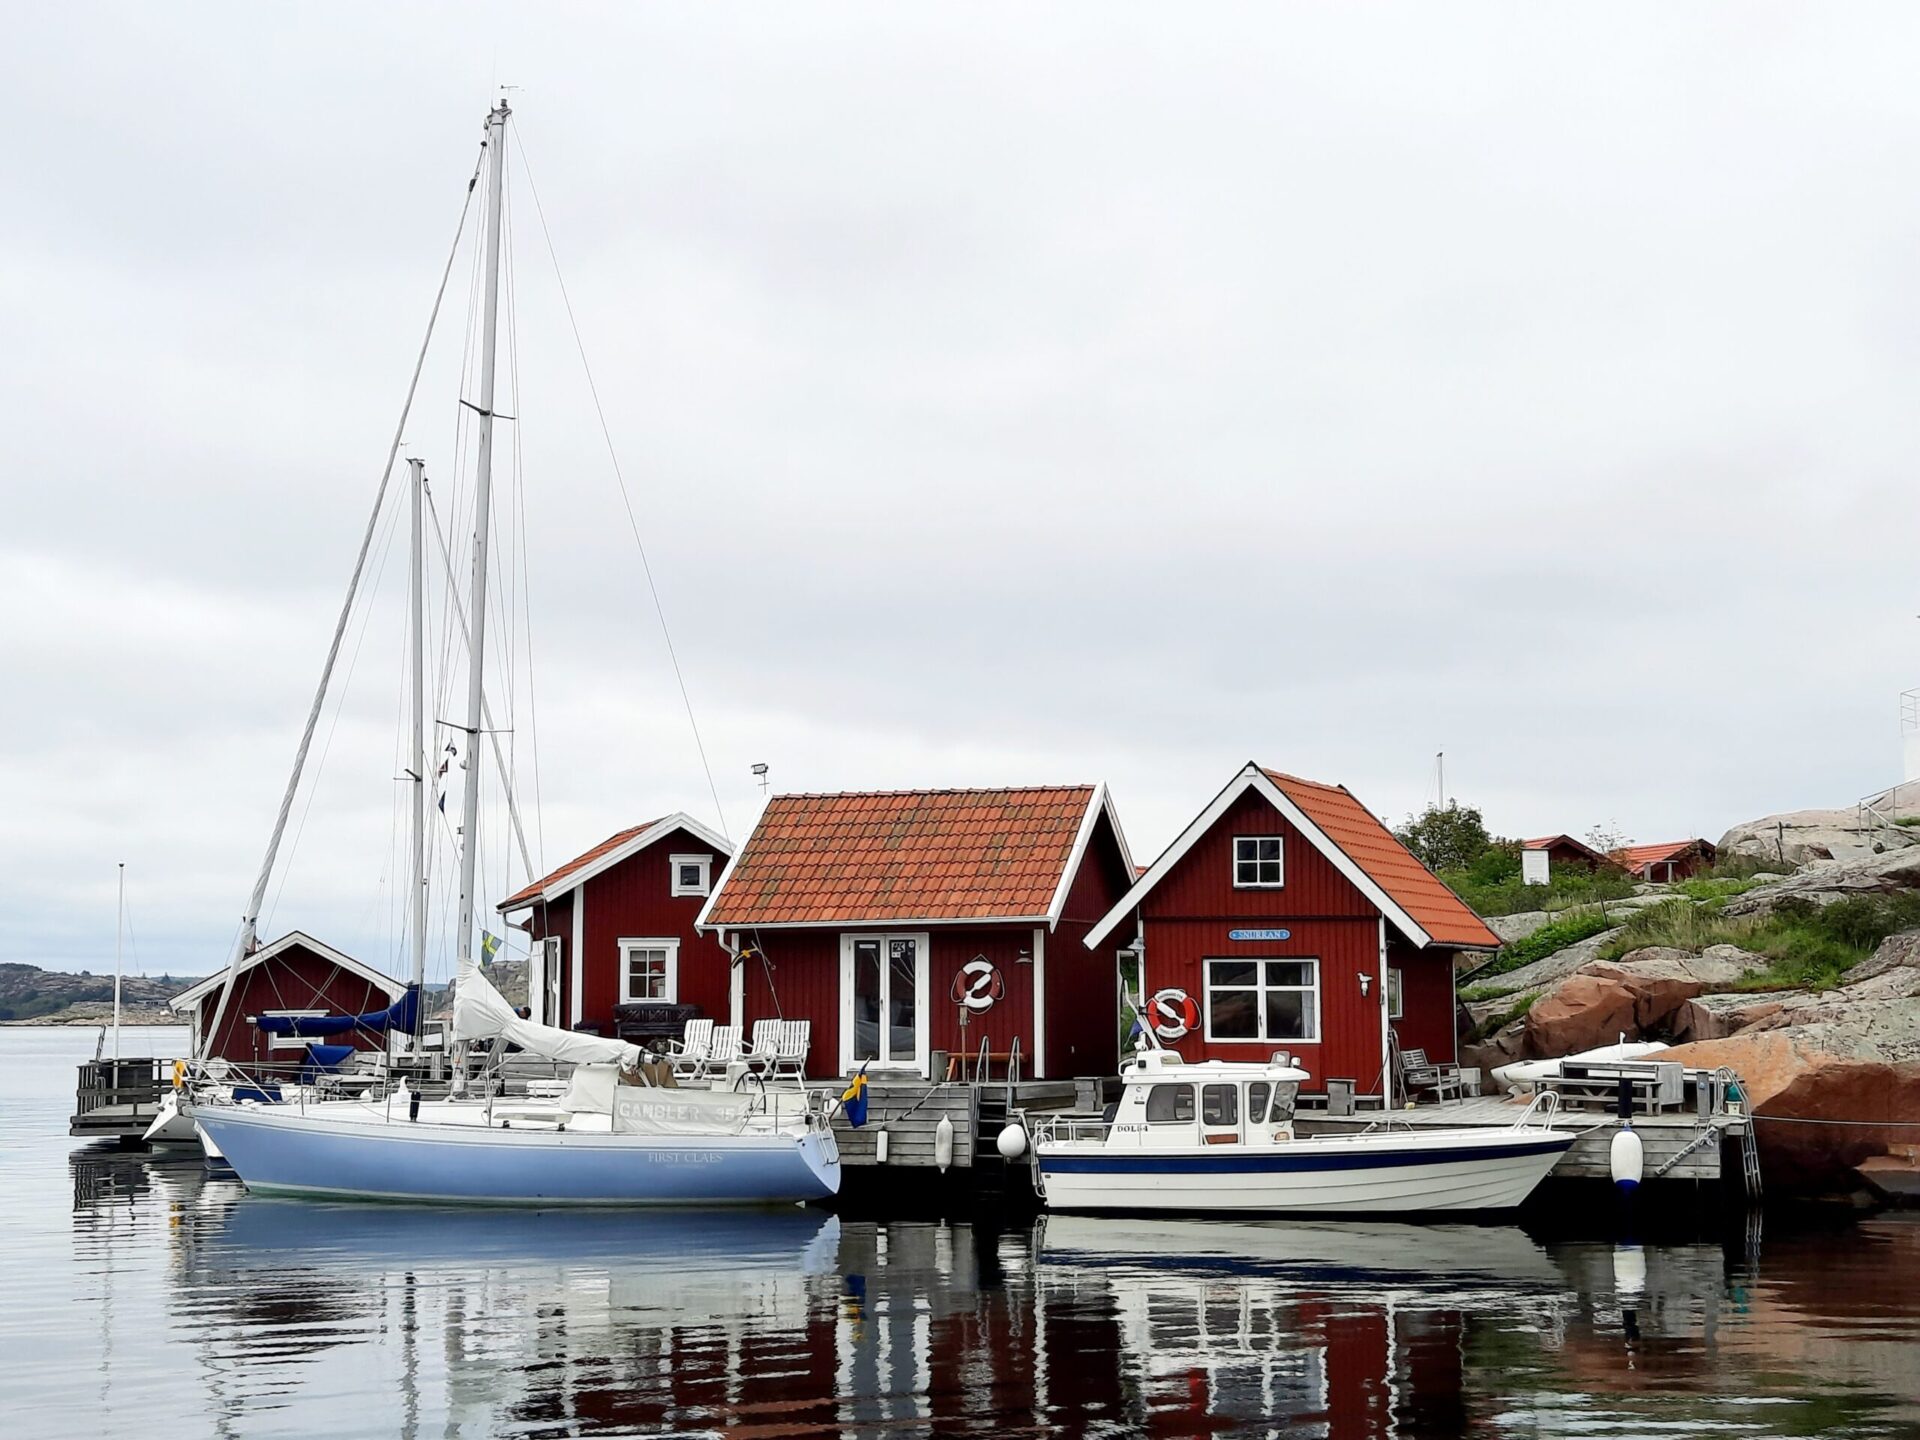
[(1008, 395)]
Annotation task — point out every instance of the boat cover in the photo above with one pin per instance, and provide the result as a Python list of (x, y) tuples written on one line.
[(398, 1016), (481, 1012)]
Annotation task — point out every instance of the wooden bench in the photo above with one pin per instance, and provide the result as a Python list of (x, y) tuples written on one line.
[(1654, 1084)]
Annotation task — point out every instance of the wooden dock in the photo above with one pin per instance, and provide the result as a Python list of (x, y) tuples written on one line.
[(118, 1099), (1676, 1144), (910, 1112)]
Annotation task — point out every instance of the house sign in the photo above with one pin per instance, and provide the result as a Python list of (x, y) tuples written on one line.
[(1259, 935)]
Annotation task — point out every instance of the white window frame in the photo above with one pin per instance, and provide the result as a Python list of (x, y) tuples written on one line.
[(705, 885), (1259, 989), (1396, 993), (1240, 884), (294, 1042), (670, 944), (922, 1001)]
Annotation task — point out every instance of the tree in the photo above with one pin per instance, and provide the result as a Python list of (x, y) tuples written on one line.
[(1608, 837), (1446, 838)]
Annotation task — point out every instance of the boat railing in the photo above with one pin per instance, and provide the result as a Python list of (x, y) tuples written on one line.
[(1073, 1128), (1541, 1114)]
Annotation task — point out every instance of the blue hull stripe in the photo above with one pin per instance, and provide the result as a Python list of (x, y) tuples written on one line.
[(1243, 1163)]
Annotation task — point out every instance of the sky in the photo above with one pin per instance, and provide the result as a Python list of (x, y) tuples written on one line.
[(1004, 394)]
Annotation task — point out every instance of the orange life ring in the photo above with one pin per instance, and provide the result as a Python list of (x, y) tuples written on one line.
[(977, 985), (1173, 1013)]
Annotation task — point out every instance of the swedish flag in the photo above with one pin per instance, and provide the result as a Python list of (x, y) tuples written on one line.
[(853, 1101), (489, 947)]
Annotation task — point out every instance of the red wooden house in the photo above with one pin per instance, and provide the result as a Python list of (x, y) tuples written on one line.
[(1665, 863), (615, 926), (883, 918), (296, 975), (1287, 917)]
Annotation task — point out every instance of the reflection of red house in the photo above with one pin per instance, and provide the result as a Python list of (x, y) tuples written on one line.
[(1675, 860), (295, 975), (867, 914), (1277, 912), (616, 926)]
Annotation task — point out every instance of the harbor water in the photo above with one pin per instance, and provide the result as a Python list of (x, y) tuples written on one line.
[(144, 1297)]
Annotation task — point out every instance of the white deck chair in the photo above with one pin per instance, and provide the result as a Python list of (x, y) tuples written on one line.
[(688, 1054), (780, 1048), (723, 1050)]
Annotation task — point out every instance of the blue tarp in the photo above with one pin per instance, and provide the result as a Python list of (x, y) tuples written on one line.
[(324, 1058), (397, 1016)]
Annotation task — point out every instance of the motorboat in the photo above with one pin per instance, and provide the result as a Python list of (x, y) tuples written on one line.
[(1524, 1074), (1218, 1136)]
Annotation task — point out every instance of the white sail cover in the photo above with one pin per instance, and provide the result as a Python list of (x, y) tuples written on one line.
[(481, 1012)]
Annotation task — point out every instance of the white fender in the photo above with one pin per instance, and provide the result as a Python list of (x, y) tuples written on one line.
[(943, 1142), (1012, 1143), (880, 1147), (1626, 1158)]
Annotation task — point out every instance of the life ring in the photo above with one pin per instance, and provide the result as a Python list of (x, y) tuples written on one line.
[(977, 985), (1173, 1013)]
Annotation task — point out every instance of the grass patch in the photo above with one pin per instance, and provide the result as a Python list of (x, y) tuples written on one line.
[(1549, 939), (1705, 887), (1494, 1024), (1810, 947), (1509, 895)]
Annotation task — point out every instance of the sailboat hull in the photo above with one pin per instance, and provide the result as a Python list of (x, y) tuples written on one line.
[(278, 1151)]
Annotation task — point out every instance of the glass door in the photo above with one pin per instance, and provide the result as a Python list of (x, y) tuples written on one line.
[(884, 1001)]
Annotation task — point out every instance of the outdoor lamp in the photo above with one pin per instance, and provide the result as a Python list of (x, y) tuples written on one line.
[(1365, 981)]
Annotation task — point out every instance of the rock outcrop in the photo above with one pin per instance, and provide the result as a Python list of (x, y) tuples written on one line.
[(1823, 884), (1808, 837), (1637, 997)]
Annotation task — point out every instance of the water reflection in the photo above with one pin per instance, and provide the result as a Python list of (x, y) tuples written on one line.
[(282, 1318)]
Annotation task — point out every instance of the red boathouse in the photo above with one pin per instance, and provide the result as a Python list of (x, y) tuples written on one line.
[(904, 923), (296, 975), (615, 926), (1287, 917)]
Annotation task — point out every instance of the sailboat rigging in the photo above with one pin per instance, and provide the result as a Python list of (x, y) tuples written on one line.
[(623, 1132)]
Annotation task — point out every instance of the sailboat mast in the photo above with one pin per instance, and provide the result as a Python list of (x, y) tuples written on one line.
[(482, 509), (417, 609), (119, 933)]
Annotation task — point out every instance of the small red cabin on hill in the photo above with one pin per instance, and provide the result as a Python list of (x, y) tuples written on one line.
[(884, 918), (615, 926), (1663, 864), (1287, 917), (296, 975)]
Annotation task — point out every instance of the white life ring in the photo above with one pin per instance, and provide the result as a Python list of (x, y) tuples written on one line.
[(978, 985), (1173, 1013)]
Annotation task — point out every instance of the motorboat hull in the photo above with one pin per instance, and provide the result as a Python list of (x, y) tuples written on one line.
[(173, 1125), (1400, 1173), (275, 1150)]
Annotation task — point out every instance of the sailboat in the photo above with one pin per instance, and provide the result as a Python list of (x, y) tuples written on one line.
[(622, 1133)]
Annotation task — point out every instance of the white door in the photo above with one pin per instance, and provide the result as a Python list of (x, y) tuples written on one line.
[(883, 1002)]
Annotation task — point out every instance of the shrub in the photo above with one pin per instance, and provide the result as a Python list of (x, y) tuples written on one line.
[(1494, 1024), (1510, 896)]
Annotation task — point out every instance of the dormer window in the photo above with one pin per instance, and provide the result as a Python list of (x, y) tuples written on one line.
[(692, 874), (1256, 862)]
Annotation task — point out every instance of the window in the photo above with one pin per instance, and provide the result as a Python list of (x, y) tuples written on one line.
[(1396, 993), (1256, 862), (1257, 1101), (692, 874), (1219, 1104), (649, 970), (1170, 1105), (1263, 1000)]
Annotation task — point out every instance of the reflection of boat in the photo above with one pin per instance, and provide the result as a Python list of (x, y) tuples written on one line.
[(1218, 1136), (1381, 1254)]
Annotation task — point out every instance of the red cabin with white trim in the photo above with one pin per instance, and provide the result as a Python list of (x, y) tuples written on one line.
[(296, 975), (615, 926), (878, 916), (1287, 917)]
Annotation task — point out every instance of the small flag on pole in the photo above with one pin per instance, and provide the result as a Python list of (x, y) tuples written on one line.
[(853, 1102), (489, 947)]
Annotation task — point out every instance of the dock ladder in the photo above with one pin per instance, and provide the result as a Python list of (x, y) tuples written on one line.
[(992, 1109)]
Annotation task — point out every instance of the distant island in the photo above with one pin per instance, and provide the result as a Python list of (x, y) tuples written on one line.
[(32, 996)]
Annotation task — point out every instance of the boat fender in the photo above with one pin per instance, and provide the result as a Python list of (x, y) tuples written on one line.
[(1012, 1143), (1626, 1158), (413, 1105), (943, 1143), (880, 1148), (179, 1074)]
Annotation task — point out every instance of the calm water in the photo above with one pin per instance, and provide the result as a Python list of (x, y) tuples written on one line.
[(140, 1297)]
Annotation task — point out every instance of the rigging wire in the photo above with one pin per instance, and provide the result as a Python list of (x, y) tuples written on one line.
[(646, 565)]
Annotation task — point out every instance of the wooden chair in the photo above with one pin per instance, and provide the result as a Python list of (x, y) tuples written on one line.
[(1419, 1073), (688, 1054), (780, 1048)]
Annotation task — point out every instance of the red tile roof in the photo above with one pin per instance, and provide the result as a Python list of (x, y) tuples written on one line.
[(579, 862), (1634, 856), (1391, 866), (904, 855), (1549, 842)]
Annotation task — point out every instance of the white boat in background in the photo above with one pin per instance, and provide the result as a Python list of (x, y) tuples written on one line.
[(1217, 1136), (1525, 1073)]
